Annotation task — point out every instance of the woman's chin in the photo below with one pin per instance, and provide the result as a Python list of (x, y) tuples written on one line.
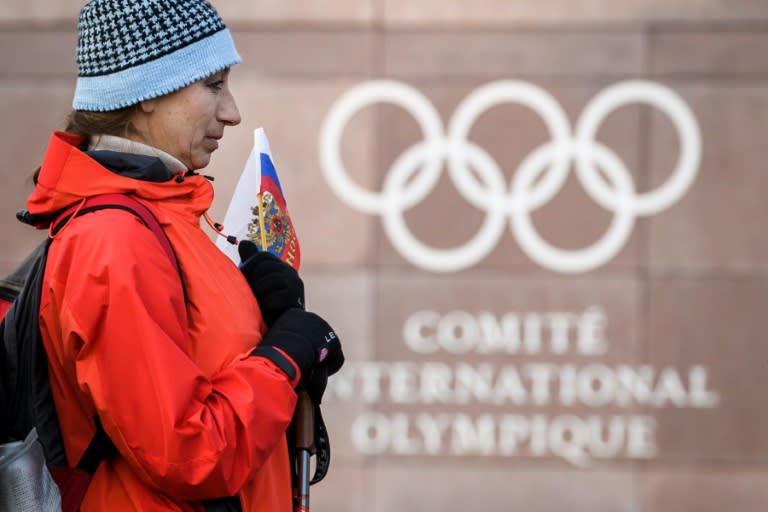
[(199, 162)]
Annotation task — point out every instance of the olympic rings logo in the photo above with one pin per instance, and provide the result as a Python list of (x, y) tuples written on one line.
[(417, 170)]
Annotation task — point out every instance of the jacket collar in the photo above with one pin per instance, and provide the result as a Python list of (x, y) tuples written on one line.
[(68, 174), (114, 144)]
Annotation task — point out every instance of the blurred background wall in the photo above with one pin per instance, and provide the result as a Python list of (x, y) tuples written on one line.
[(521, 334)]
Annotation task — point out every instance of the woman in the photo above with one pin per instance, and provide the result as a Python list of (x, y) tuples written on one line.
[(189, 369)]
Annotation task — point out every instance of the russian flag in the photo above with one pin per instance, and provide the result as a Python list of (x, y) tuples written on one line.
[(258, 210)]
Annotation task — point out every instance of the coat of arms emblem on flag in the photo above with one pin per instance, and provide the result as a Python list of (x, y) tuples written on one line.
[(258, 210)]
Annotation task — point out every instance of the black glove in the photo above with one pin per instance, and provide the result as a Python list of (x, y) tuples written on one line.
[(307, 339), (276, 285), (316, 383)]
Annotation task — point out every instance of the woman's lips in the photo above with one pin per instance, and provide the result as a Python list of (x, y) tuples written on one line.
[(211, 143)]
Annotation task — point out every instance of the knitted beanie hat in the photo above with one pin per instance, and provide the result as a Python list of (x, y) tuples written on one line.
[(134, 50)]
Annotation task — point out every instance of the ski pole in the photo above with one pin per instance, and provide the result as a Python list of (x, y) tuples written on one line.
[(305, 433)]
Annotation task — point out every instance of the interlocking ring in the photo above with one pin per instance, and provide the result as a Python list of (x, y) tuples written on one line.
[(540, 176)]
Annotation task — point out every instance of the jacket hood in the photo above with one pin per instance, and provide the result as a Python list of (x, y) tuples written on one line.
[(68, 175)]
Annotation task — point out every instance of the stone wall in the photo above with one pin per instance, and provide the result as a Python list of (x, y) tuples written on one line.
[(616, 361)]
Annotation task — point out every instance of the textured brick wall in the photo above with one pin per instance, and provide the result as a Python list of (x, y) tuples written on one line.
[(686, 290)]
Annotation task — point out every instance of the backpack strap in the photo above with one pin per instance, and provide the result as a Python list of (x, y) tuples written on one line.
[(119, 202), (101, 446)]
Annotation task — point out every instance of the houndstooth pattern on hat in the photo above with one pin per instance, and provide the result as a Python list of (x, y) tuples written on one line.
[(118, 34), (132, 50)]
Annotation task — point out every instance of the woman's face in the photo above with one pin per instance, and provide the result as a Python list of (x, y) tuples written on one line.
[(188, 123)]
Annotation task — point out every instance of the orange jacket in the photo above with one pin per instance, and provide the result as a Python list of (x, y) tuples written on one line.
[(192, 415)]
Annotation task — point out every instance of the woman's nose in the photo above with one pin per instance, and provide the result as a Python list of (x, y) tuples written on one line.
[(228, 112)]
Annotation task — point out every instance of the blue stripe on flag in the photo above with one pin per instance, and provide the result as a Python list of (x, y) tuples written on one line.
[(268, 169)]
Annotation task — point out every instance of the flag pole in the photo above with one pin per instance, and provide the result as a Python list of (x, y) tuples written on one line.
[(262, 214)]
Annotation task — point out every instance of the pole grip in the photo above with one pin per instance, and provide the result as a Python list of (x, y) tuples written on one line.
[(305, 422)]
